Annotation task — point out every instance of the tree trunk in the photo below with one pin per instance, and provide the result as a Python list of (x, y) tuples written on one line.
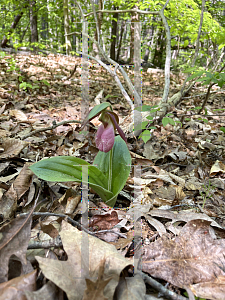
[(73, 20), (50, 31), (13, 26), (33, 22), (44, 27), (99, 24), (66, 26), (134, 18), (113, 34), (24, 32), (120, 39)]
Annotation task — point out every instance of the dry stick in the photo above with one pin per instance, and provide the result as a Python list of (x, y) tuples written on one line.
[(57, 242), (159, 287), (112, 73), (203, 94), (49, 128), (75, 223), (197, 114), (115, 76), (208, 92), (74, 70)]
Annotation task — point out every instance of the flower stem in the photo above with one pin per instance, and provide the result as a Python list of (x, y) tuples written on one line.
[(110, 170)]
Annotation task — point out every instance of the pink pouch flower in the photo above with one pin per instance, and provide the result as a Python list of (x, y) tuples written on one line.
[(105, 137)]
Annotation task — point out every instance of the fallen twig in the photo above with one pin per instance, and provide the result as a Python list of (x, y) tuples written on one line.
[(54, 125), (159, 287)]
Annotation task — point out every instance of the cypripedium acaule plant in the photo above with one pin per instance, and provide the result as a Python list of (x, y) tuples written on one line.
[(111, 167)]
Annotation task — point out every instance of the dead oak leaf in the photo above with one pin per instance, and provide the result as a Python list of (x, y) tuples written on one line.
[(17, 287), (94, 290), (104, 222), (85, 254), (14, 239), (192, 257), (11, 147)]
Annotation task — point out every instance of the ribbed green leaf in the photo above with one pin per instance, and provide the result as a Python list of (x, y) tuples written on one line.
[(120, 167), (68, 168)]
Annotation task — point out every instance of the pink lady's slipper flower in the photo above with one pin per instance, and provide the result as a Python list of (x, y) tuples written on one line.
[(105, 135)]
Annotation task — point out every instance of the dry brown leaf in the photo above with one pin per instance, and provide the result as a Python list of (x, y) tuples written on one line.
[(18, 114), (103, 222), (217, 167), (8, 203), (214, 290), (48, 292), (71, 199), (14, 240), (131, 288), (122, 243), (192, 257), (17, 287), (180, 195), (50, 230), (156, 224), (184, 215), (9, 177), (23, 181), (193, 184), (71, 281), (167, 194), (12, 147), (95, 289)]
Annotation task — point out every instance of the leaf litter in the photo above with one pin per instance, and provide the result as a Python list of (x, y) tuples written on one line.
[(174, 211)]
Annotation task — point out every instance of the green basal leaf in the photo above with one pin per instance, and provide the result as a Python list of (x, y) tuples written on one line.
[(120, 167), (98, 109), (69, 168)]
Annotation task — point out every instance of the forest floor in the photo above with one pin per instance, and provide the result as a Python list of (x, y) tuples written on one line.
[(180, 196)]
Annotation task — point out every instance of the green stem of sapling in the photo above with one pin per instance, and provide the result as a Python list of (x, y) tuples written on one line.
[(110, 170)]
